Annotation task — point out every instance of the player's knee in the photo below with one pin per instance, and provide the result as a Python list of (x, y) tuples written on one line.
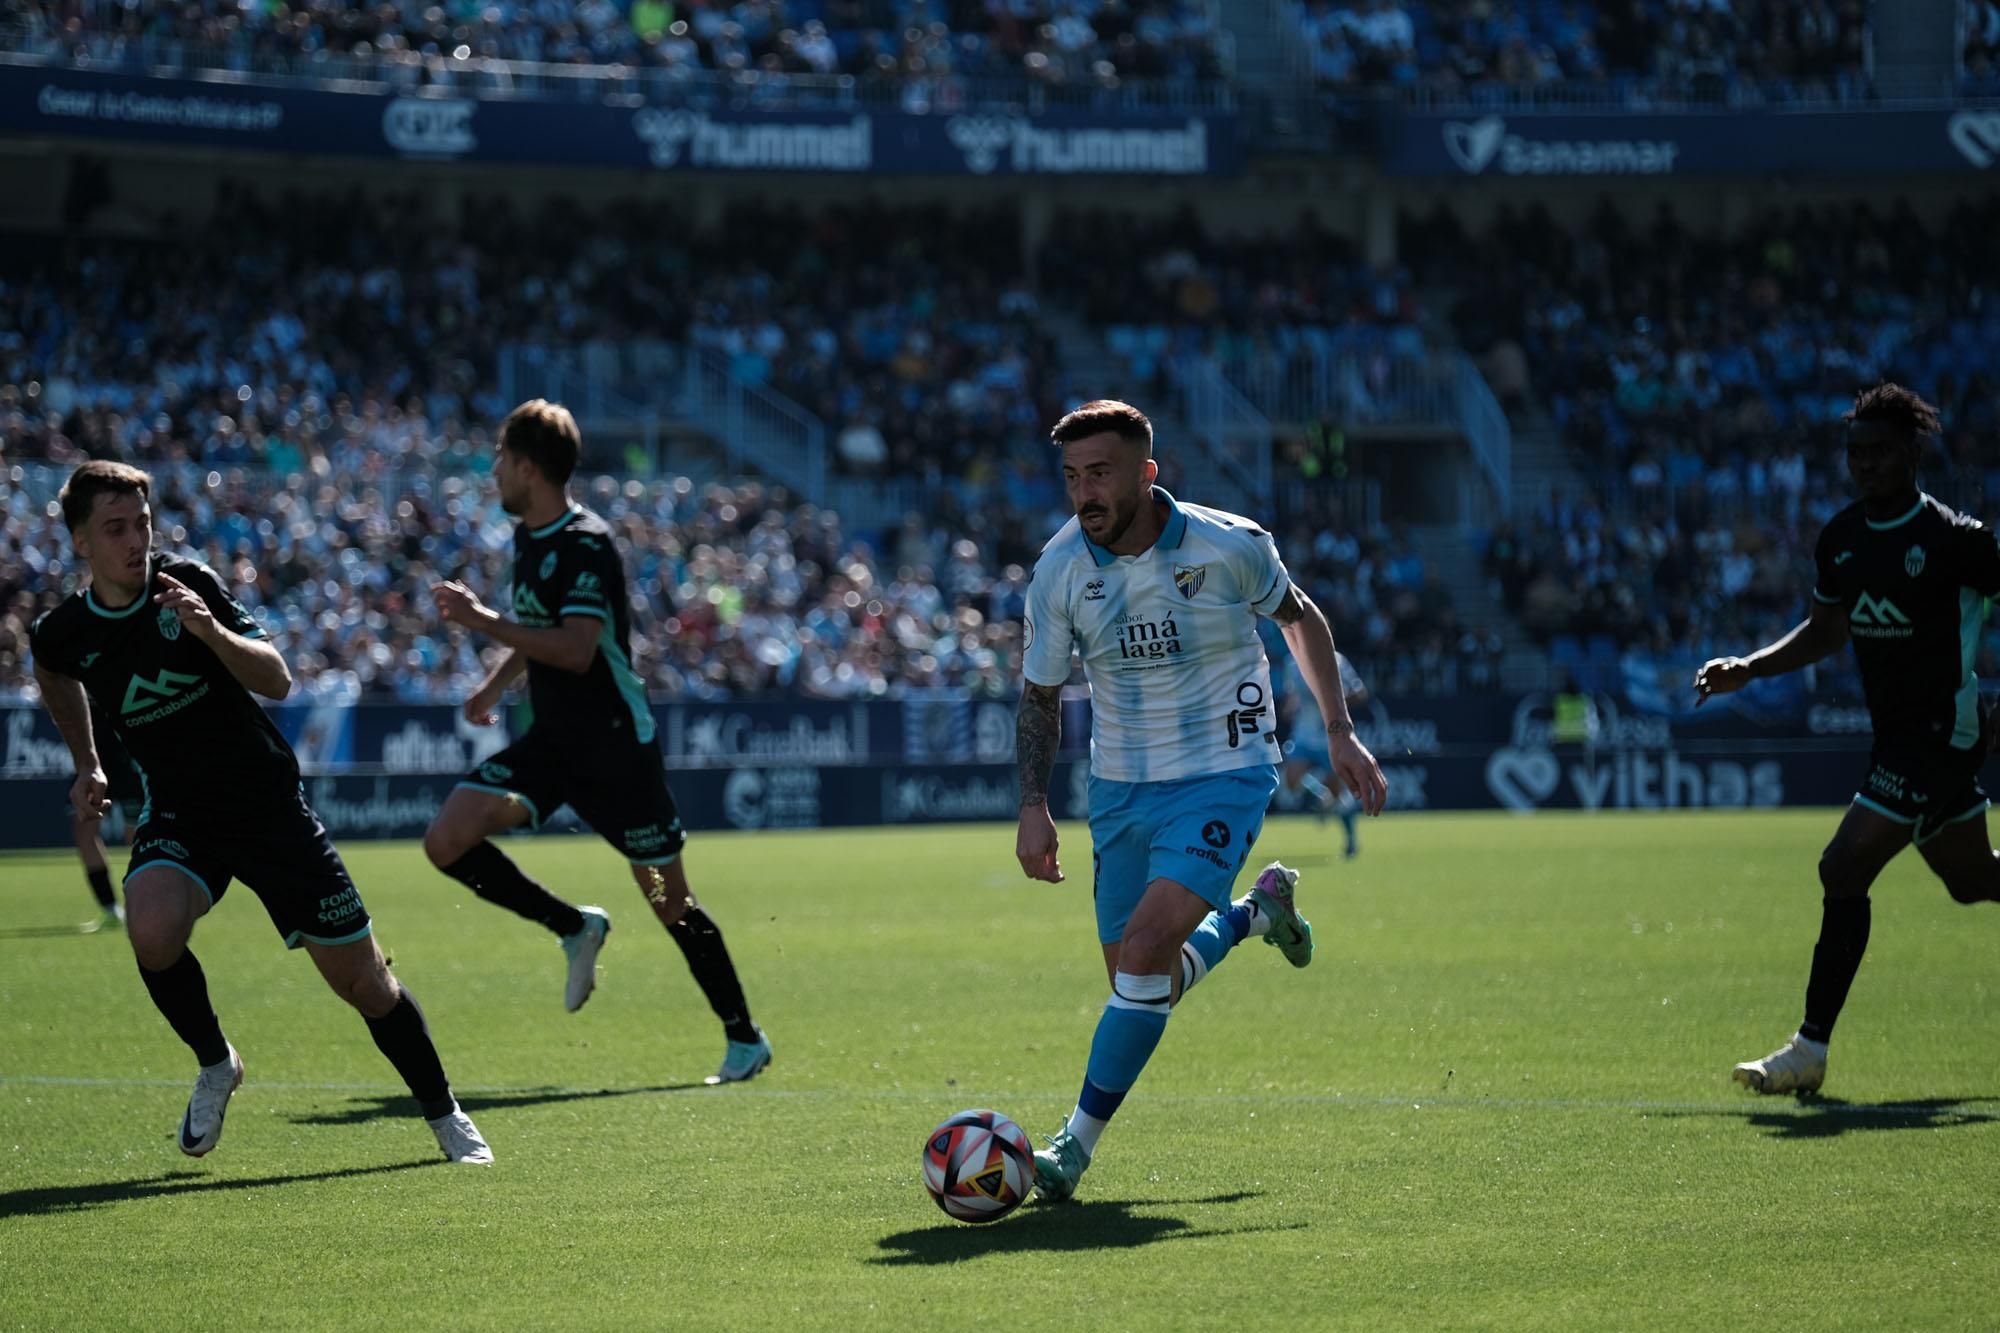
[(445, 844), (1842, 874), (156, 941), (1965, 890), (370, 989), (1147, 950)]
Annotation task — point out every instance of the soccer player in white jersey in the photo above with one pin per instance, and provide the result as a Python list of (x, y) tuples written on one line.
[(1307, 754), (1159, 599)]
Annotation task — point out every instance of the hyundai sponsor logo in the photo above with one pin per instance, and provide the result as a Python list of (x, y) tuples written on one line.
[(1476, 145)]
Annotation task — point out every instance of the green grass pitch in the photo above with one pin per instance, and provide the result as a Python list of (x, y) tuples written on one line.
[(1498, 1099)]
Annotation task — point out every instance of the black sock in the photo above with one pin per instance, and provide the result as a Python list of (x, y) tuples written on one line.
[(1843, 938), (403, 1036), (492, 874), (100, 887), (708, 958), (180, 993)]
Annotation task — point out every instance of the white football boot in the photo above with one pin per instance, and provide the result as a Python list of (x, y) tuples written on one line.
[(460, 1139), (1797, 1066), (582, 949), (201, 1126)]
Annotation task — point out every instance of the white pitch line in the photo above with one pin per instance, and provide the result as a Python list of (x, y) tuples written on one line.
[(1417, 1103)]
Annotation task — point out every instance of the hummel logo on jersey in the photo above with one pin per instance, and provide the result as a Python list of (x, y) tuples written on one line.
[(1843, 557), (143, 693), (83, 663), (1093, 591)]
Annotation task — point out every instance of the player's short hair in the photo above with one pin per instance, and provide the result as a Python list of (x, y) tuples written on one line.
[(546, 435), (1894, 405), (100, 476), (1125, 421)]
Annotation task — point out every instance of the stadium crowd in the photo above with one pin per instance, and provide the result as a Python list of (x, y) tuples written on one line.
[(1631, 51), (1698, 384), (315, 404), (921, 45)]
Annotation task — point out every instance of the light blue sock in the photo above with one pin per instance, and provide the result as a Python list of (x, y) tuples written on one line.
[(1316, 789), (1218, 933), (1134, 1019)]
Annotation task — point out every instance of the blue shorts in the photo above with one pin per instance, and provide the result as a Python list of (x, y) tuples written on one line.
[(1196, 831)]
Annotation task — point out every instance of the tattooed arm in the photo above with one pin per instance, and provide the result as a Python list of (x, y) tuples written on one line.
[(1037, 733)]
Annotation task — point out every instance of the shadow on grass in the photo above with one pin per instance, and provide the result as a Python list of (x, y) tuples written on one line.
[(361, 1109), (1096, 1224), (75, 1198), (45, 933), (1814, 1117)]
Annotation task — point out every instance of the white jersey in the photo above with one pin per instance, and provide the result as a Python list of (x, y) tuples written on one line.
[(1179, 683)]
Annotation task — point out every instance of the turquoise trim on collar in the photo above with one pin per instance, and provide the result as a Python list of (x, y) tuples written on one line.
[(1175, 531), (90, 600), (556, 526), (1915, 509), (1172, 533)]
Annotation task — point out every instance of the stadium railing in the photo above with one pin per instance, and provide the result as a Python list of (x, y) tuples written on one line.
[(486, 77)]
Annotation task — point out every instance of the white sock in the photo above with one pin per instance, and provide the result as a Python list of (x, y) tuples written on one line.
[(1816, 1047), (1085, 1129), (1259, 923)]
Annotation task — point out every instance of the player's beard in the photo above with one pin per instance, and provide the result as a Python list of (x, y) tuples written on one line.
[(1122, 515)]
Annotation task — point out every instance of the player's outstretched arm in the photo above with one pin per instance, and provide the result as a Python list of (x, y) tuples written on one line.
[(1037, 734), (256, 663), (570, 646), (69, 706), (1310, 638), (1820, 635)]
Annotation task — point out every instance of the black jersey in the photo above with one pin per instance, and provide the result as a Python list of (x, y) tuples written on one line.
[(199, 739), (1915, 590), (571, 568)]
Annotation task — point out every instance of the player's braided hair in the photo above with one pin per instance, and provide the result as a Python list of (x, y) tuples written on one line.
[(1896, 405), (100, 476)]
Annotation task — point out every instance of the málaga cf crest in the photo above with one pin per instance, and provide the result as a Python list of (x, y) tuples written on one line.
[(1187, 579)]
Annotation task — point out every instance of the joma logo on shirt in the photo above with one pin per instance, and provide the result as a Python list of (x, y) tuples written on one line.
[(1149, 640)]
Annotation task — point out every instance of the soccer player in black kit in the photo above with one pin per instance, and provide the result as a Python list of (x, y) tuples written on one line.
[(1906, 580), (160, 646), (591, 743)]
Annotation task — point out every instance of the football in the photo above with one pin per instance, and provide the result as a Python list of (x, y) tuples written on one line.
[(978, 1166)]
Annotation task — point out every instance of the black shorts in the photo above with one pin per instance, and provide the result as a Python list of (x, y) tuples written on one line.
[(619, 789), (281, 851), (1923, 783)]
